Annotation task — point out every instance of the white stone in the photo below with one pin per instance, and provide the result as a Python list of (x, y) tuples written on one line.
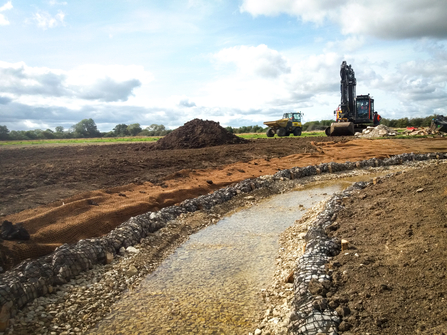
[(132, 250)]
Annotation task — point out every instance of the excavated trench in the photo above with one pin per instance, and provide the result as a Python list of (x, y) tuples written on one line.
[(181, 304), (212, 283)]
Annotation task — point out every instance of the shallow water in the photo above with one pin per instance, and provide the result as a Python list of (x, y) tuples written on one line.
[(211, 284)]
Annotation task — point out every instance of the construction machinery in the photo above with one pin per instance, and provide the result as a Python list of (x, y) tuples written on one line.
[(289, 124), (354, 113), (439, 123)]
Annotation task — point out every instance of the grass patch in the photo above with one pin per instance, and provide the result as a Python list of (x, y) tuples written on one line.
[(81, 141)]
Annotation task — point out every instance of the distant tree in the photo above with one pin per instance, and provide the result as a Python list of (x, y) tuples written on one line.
[(427, 121), (134, 129), (59, 129), (144, 132), (402, 123), (86, 128), (18, 135), (230, 129), (49, 134), (157, 130), (385, 122), (110, 134), (4, 133), (258, 129), (31, 134), (120, 130)]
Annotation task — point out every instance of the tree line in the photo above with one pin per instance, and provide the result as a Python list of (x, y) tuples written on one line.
[(84, 129), (87, 129)]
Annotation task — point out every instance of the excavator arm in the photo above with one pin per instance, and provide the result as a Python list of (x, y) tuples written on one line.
[(348, 92)]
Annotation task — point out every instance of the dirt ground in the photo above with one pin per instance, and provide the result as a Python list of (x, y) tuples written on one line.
[(392, 279), (63, 194)]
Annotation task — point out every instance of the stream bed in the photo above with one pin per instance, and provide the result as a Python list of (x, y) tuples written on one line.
[(212, 283)]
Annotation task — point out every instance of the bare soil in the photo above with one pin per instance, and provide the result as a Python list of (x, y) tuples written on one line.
[(392, 279), (63, 194), (198, 134)]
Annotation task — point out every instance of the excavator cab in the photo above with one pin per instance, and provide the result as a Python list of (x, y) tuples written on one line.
[(365, 109)]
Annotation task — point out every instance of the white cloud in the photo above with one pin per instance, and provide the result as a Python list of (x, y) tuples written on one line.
[(6, 6), (350, 44), (45, 20), (88, 82), (54, 2), (387, 19), (89, 73), (267, 79), (185, 102), (3, 20), (260, 60)]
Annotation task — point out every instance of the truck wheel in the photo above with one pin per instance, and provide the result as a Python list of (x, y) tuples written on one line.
[(270, 132), (281, 132), (297, 132)]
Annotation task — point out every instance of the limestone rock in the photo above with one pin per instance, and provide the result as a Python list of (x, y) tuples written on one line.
[(131, 271)]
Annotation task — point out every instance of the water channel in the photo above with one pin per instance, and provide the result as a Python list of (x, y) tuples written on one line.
[(211, 284)]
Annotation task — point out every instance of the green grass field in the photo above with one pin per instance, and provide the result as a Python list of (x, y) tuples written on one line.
[(155, 138), (82, 140), (130, 139)]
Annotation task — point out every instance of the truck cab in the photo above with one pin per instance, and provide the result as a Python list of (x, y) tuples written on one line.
[(294, 117)]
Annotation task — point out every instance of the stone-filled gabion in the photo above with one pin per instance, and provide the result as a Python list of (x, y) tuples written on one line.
[(33, 278), (311, 314)]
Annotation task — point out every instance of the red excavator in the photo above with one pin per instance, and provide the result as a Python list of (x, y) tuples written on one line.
[(354, 113)]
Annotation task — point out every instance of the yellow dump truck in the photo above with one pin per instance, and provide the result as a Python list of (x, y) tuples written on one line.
[(289, 124)]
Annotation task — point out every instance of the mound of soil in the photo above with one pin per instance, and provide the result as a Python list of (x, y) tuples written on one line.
[(392, 279), (198, 134)]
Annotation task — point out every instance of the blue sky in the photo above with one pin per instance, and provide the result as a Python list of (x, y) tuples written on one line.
[(238, 62)]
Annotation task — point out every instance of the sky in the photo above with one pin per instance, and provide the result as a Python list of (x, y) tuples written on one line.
[(237, 62)]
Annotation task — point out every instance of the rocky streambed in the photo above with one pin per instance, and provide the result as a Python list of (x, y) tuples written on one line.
[(77, 306)]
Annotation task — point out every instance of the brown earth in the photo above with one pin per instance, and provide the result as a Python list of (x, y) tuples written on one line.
[(198, 134), (66, 193), (392, 279)]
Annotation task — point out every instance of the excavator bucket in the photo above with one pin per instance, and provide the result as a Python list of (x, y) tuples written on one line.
[(340, 129)]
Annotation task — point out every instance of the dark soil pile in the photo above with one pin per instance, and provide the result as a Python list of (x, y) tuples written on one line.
[(198, 134), (393, 277)]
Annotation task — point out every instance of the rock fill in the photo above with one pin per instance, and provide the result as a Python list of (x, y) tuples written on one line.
[(198, 133), (379, 131)]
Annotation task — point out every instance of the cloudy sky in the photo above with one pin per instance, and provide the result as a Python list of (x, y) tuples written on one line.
[(239, 62)]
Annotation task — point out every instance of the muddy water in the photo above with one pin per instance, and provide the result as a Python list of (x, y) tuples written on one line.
[(211, 284)]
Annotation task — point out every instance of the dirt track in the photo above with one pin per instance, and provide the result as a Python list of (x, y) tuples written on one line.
[(85, 191)]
